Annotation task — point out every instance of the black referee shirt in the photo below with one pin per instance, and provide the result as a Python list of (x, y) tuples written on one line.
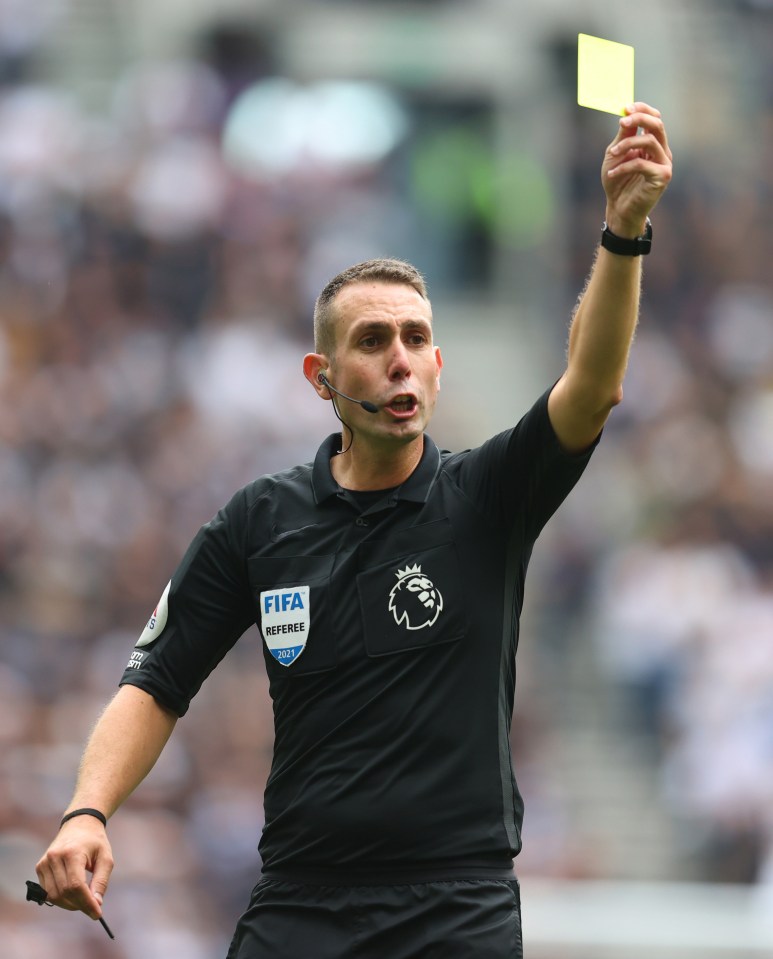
[(389, 634)]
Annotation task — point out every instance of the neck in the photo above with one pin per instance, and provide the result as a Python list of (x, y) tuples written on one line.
[(357, 470)]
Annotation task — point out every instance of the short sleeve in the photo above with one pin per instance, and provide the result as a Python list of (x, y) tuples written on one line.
[(521, 475), (203, 611)]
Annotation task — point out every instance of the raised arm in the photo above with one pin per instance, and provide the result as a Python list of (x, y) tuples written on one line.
[(122, 749), (636, 170)]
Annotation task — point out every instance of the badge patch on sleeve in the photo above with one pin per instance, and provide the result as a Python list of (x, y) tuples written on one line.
[(157, 621), (284, 619)]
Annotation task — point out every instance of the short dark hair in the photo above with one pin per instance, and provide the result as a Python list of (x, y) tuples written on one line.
[(382, 270)]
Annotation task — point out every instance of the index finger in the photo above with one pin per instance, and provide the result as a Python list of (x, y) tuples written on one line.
[(64, 878), (641, 107), (78, 891), (648, 119)]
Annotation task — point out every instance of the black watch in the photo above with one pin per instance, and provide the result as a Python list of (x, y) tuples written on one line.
[(638, 246)]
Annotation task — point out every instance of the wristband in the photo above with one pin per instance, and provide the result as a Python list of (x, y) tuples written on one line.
[(84, 812)]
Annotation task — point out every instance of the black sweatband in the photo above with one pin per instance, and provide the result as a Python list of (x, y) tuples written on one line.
[(85, 812)]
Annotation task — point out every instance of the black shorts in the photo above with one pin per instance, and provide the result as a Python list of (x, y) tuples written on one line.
[(459, 919)]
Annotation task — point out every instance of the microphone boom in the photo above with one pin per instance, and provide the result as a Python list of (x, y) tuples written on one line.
[(365, 404)]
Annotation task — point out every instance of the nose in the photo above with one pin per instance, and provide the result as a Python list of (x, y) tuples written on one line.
[(399, 362)]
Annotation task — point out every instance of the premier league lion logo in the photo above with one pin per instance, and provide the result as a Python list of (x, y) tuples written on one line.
[(414, 602)]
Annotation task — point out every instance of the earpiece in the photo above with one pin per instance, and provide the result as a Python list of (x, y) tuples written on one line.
[(321, 377)]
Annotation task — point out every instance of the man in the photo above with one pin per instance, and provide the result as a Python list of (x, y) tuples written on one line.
[(387, 580)]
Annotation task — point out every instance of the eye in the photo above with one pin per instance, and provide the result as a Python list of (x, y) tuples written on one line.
[(417, 338), (369, 342)]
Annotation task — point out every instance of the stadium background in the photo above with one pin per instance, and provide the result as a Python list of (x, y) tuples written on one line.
[(177, 179)]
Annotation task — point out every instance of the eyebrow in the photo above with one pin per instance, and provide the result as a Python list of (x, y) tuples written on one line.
[(383, 326)]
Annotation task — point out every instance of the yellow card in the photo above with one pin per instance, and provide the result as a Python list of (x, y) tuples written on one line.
[(604, 74)]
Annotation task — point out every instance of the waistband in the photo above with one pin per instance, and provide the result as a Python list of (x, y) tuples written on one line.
[(398, 876)]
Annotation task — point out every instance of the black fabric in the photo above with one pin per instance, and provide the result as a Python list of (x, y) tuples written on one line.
[(442, 920), (391, 723), (366, 499)]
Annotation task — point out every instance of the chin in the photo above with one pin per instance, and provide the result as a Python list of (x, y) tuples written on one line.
[(409, 431)]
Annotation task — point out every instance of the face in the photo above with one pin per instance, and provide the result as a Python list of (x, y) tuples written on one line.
[(384, 353)]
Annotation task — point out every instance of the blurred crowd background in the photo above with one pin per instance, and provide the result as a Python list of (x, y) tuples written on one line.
[(176, 184)]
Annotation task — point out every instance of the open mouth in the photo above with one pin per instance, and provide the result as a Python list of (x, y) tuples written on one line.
[(403, 404)]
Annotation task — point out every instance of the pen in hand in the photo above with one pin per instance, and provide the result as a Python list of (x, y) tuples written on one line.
[(36, 893)]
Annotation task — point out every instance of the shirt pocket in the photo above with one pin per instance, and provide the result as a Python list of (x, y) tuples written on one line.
[(288, 576), (411, 592)]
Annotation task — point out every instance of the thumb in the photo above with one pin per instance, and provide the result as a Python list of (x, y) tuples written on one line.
[(97, 896), (99, 880)]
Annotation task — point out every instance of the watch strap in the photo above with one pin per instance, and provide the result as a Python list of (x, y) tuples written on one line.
[(638, 246)]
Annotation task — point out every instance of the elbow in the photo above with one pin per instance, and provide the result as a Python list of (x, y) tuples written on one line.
[(603, 403), (600, 410), (607, 404)]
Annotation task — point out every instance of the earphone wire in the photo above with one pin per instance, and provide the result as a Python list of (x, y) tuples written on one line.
[(343, 423)]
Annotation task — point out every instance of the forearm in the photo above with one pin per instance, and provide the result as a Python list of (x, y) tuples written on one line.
[(600, 338), (603, 328), (122, 749), (636, 169)]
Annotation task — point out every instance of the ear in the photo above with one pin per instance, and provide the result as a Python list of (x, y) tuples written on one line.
[(313, 365), (439, 363)]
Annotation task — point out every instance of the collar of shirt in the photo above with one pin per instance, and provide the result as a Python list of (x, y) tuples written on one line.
[(415, 489)]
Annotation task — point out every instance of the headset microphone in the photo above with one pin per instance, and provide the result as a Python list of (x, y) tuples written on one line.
[(365, 404)]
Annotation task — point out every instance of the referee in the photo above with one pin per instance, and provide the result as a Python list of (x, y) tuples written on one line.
[(387, 579)]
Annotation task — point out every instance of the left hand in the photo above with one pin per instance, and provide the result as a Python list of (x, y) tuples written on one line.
[(636, 170), (81, 846)]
